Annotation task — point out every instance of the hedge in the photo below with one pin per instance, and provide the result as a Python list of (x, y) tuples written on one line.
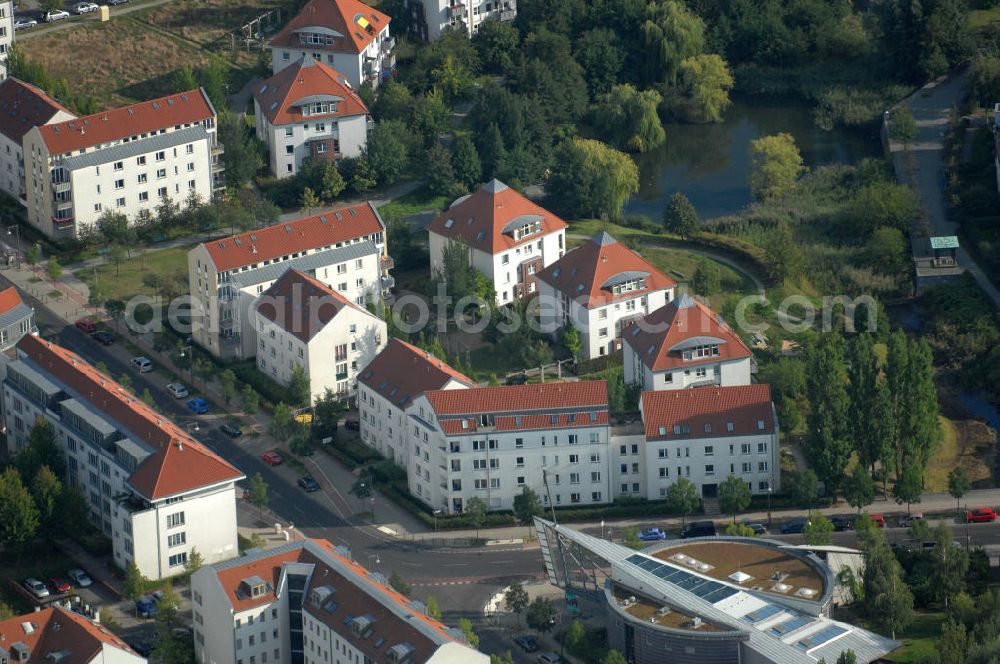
[(246, 372)]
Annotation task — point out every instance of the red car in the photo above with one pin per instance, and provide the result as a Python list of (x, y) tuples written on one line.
[(271, 458), (59, 584), (85, 325), (878, 519), (981, 515)]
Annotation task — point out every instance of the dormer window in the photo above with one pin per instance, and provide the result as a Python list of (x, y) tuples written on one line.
[(527, 229), (698, 352), (629, 286), (319, 108)]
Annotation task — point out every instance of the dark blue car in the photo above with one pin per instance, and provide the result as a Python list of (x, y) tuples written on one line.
[(794, 527), (197, 406)]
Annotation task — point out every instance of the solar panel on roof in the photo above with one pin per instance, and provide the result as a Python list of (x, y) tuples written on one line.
[(821, 637), (635, 559), (725, 592), (790, 625), (689, 583), (706, 589), (763, 613)]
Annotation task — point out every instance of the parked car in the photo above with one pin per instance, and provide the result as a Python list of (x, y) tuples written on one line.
[(842, 523), (177, 390), (652, 534), (518, 379), (79, 577), (145, 607), (142, 364), (906, 521), (527, 643), (272, 458), (757, 528), (878, 519), (699, 529), (115, 3), (59, 584), (25, 23), (85, 325), (198, 406), (550, 658), (56, 15), (103, 337), (352, 425), (794, 527), (84, 8), (36, 588), (231, 430), (309, 484), (981, 515), (144, 647)]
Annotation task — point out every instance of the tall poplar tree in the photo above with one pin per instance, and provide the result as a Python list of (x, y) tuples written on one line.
[(828, 444)]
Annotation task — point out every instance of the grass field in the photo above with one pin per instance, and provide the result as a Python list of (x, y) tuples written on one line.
[(125, 280), (204, 21), (980, 19), (919, 638), (968, 443)]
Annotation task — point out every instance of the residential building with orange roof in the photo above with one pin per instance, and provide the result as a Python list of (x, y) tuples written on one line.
[(707, 434), (61, 636), (345, 249), (22, 106), (346, 35), (124, 160), (429, 18), (309, 602), (155, 491), (302, 322), (491, 442), (600, 288), (386, 388), (308, 112), (509, 239), (685, 344), (16, 318)]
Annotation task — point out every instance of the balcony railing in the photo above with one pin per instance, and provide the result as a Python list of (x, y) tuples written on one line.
[(388, 44), (388, 282), (388, 263)]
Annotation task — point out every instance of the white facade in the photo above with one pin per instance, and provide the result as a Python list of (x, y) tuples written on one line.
[(723, 373), (289, 145), (23, 106), (432, 17), (359, 68), (12, 162), (6, 34)]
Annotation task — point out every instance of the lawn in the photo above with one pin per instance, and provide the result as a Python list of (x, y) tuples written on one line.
[(980, 19), (204, 21), (123, 281), (415, 202), (919, 638), (968, 443)]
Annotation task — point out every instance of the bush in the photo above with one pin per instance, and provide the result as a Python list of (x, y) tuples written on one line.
[(246, 372)]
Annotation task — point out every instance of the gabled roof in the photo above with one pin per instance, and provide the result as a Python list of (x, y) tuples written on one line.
[(323, 230), (9, 298), (486, 219), (707, 412), (402, 372), (178, 463), (660, 337), (588, 273), (306, 81), (56, 630), (301, 305), (352, 25), (23, 106), (145, 117)]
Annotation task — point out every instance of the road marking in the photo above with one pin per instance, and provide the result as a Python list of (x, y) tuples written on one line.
[(456, 564)]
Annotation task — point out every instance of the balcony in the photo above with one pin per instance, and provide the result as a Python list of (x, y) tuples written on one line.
[(218, 149), (387, 44), (388, 282), (508, 15), (388, 263), (64, 224), (389, 61), (60, 187)]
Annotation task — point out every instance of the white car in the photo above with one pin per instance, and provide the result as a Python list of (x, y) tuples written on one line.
[(142, 363), (178, 390), (56, 15), (84, 8), (37, 588), (79, 577), (25, 23)]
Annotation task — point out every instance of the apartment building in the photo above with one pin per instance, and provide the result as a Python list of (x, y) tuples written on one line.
[(600, 288), (60, 636), (22, 106), (16, 318), (123, 160), (490, 442), (346, 35), (387, 387), (6, 34), (343, 248), (429, 18), (303, 322), (154, 490), (309, 602), (706, 435), (508, 238), (685, 344), (309, 112)]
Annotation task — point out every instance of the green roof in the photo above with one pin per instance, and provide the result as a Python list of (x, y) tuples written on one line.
[(944, 242)]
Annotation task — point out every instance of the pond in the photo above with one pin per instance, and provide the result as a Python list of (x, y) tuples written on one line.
[(710, 163)]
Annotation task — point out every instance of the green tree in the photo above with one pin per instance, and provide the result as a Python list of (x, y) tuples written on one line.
[(527, 506), (740, 530), (386, 150), (185, 79), (958, 485), (828, 444), (887, 600), (227, 381), (630, 119), (134, 584), (243, 156), (399, 584), (19, 517), (953, 644), (863, 374), (326, 414), (803, 487), (213, 78), (299, 392), (46, 490), (680, 217), (785, 255), (613, 657), (847, 657), (33, 253), (465, 625), (859, 490), (984, 79), (878, 205), (41, 449), (575, 640), (362, 175), (440, 175), (592, 178), (670, 34), (465, 164), (600, 53), (54, 269), (194, 562), (333, 182), (476, 509), (902, 126), (776, 165), (250, 399), (921, 427), (429, 119), (282, 422), (72, 514), (706, 278), (541, 614), (683, 498), (818, 530), (516, 599), (734, 496), (257, 493), (570, 339), (887, 250), (310, 201), (909, 484), (497, 45), (433, 608), (705, 82), (147, 398), (949, 565)]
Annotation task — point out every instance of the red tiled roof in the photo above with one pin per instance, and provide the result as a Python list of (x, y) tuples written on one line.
[(23, 106), (655, 337), (301, 305), (585, 274), (308, 233), (281, 95), (346, 17), (743, 405), (9, 298), (561, 405), (479, 219), (178, 464), (55, 629), (267, 568), (145, 117), (401, 372)]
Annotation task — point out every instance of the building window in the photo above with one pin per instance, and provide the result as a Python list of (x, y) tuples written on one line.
[(120, 202), (178, 559), (161, 155), (175, 519), (177, 539), (143, 196), (289, 149), (162, 192), (161, 173), (119, 184), (141, 178), (288, 131), (190, 148), (119, 165)]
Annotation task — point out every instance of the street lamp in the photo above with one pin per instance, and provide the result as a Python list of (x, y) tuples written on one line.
[(17, 238), (436, 513), (189, 353), (192, 427), (769, 490), (377, 560)]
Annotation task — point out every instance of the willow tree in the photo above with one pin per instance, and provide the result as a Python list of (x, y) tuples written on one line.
[(630, 118), (671, 33)]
